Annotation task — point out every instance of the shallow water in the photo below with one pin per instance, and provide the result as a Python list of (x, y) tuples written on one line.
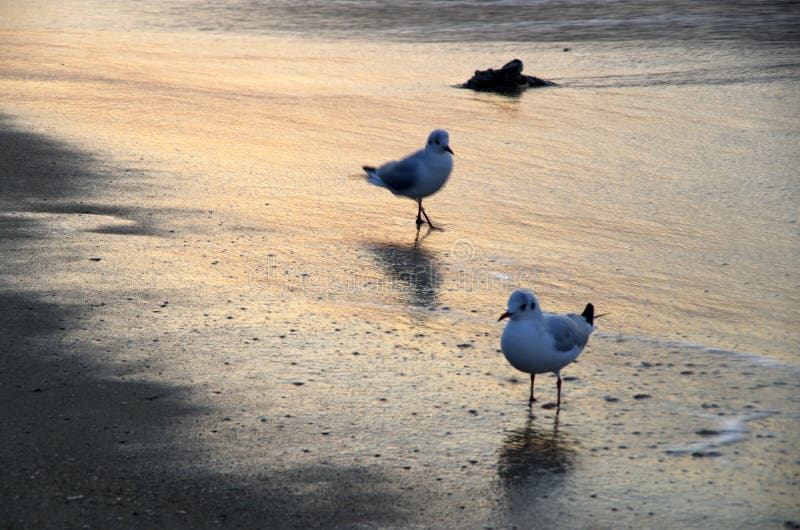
[(756, 23), (242, 257)]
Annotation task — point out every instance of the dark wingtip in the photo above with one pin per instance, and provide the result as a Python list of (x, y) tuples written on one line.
[(588, 313), (368, 168)]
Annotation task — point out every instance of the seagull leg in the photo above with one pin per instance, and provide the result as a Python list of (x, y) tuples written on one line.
[(426, 216), (532, 399), (558, 384), (419, 213)]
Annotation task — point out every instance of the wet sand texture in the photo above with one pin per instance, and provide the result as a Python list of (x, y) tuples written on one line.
[(116, 416), (208, 318)]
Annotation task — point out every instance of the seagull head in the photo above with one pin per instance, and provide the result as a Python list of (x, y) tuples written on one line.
[(522, 305), (439, 142)]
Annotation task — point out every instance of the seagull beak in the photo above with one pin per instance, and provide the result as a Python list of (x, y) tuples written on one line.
[(447, 148), (504, 315)]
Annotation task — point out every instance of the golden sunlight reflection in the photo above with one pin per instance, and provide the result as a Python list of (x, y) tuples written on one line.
[(193, 203)]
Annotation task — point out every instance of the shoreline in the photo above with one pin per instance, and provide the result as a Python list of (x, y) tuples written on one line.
[(173, 354)]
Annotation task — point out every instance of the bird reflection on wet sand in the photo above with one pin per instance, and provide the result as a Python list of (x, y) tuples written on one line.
[(534, 468), (535, 452), (411, 269)]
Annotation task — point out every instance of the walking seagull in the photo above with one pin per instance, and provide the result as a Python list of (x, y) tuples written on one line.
[(419, 174), (536, 342)]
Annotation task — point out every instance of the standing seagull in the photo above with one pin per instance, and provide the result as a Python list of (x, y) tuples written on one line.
[(536, 342), (418, 175)]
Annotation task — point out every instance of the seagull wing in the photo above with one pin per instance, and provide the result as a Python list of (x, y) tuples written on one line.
[(401, 175), (567, 334)]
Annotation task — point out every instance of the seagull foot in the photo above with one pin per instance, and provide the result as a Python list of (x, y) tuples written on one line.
[(550, 405)]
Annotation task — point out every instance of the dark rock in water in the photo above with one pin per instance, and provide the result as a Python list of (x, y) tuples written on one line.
[(508, 78)]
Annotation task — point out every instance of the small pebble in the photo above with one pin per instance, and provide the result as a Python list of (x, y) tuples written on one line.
[(707, 432), (699, 454)]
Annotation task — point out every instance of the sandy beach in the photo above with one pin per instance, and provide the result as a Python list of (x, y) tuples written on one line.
[(208, 318)]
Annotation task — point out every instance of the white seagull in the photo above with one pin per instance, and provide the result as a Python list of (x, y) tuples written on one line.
[(419, 174), (536, 342)]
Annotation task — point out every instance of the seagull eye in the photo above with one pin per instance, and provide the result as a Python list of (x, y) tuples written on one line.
[(533, 306), (437, 142), (522, 307)]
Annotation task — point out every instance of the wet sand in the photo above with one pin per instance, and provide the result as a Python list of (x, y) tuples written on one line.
[(95, 442), (144, 402), (197, 332)]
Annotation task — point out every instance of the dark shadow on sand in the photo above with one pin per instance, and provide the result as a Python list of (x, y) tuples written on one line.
[(42, 175), (81, 449), (84, 449)]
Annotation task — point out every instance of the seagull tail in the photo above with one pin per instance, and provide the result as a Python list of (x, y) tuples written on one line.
[(372, 176), (588, 314)]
